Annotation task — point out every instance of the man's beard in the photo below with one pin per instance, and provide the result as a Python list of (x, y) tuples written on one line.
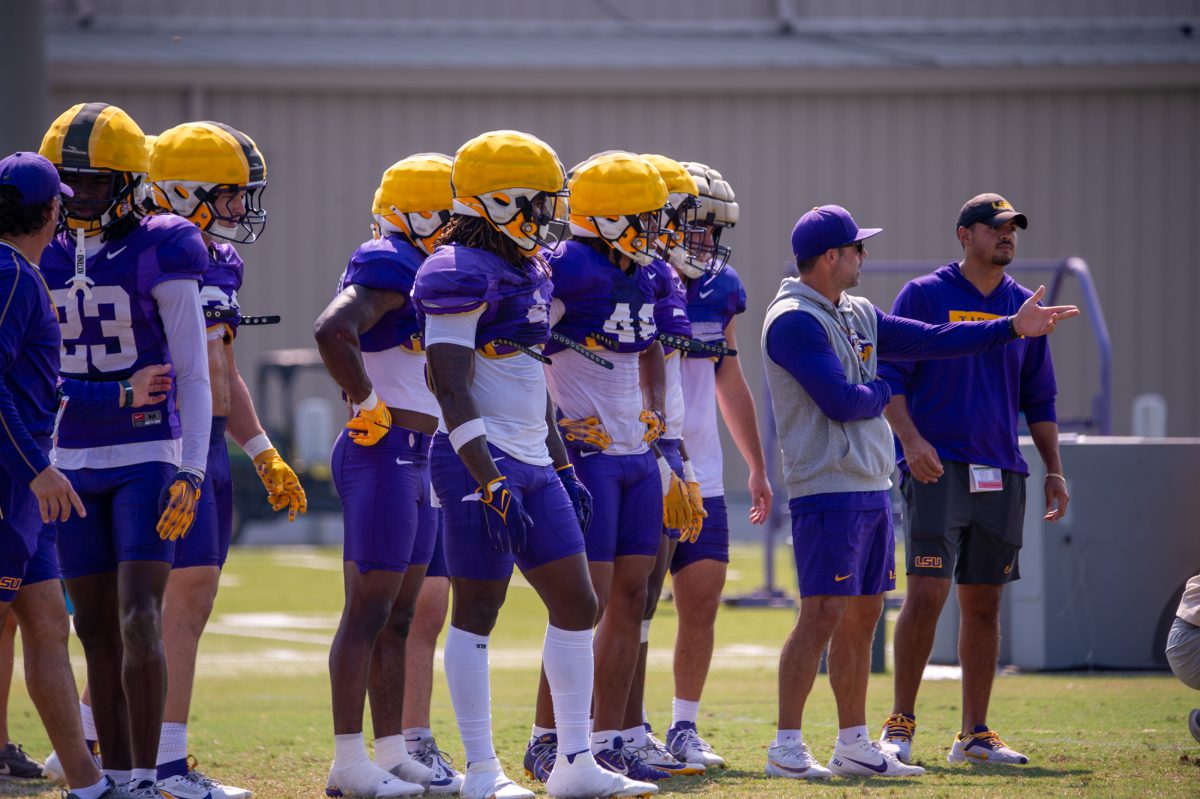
[(1002, 258)]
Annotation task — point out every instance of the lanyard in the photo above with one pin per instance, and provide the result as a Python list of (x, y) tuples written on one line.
[(856, 343)]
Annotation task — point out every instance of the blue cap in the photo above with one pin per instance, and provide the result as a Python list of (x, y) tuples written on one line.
[(34, 176), (824, 229)]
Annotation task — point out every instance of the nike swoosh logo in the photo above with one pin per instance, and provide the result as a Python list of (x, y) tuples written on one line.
[(704, 294), (881, 768), (587, 454), (837, 579), (789, 769), (403, 463), (115, 253)]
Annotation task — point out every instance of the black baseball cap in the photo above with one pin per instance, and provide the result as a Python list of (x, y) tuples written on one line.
[(991, 209)]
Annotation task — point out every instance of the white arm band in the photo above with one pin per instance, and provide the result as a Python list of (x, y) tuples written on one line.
[(257, 446), (689, 474), (370, 403), (665, 474), (179, 309), (467, 431), (452, 328), (557, 310)]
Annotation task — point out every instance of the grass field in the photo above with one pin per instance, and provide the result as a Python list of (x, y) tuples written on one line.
[(261, 719)]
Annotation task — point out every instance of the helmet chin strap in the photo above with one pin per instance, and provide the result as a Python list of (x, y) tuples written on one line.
[(80, 283)]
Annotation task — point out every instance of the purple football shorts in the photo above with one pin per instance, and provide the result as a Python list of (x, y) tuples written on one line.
[(713, 543), (466, 542), (627, 503), (122, 508), (384, 491), (843, 543), (207, 543)]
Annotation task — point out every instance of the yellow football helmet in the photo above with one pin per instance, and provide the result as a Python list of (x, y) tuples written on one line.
[(212, 175), (514, 181), (619, 198), (683, 201), (91, 143), (415, 199)]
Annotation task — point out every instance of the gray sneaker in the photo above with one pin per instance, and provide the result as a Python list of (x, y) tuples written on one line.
[(146, 789), (16, 765), (114, 791)]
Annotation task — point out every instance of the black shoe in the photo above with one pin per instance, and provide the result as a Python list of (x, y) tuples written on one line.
[(1194, 723), (16, 765)]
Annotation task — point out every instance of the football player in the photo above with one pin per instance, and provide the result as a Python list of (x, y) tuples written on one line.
[(371, 345), (715, 295), (212, 175), (605, 294), (507, 490), (127, 293)]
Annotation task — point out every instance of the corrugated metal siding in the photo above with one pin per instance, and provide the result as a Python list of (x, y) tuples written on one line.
[(1013, 9), (1106, 175)]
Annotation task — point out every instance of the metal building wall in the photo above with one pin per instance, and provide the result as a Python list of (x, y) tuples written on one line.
[(1108, 175)]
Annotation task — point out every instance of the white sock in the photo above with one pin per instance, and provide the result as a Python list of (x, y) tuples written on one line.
[(89, 723), (538, 732), (413, 736), (466, 663), (568, 661), (390, 752), (172, 742), (849, 735), (349, 750), (120, 776), (645, 631), (92, 791), (788, 738), (140, 775), (684, 710), (635, 735), (601, 740)]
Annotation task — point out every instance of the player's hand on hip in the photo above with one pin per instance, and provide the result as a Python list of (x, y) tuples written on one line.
[(1057, 497), (922, 459), (55, 496), (507, 522), (581, 498), (587, 433), (656, 425), (282, 484), (150, 384), (177, 504), (1034, 320), (368, 427)]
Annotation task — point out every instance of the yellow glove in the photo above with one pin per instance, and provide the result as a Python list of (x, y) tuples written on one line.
[(283, 487), (690, 533), (656, 425), (587, 433), (177, 504), (677, 508), (369, 426)]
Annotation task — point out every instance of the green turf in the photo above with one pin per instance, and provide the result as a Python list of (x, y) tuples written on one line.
[(261, 719)]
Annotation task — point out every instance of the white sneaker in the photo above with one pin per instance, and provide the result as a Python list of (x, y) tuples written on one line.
[(142, 789), (413, 771), (445, 778), (368, 780), (794, 762), (185, 786), (864, 758), (53, 768), (688, 747), (656, 755), (486, 780), (219, 789), (984, 746), (582, 778), (897, 736)]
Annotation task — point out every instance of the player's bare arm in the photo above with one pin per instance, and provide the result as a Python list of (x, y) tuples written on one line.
[(451, 372), (353, 311), (1045, 438), (737, 409)]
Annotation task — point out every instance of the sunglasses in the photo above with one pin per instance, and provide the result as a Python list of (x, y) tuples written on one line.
[(857, 245)]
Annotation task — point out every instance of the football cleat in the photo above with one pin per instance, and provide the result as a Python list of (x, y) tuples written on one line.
[(864, 758), (486, 780), (16, 765), (219, 789), (445, 778), (539, 756), (413, 771), (580, 777), (897, 736), (688, 747), (622, 760), (367, 780), (656, 755), (794, 762), (984, 746)]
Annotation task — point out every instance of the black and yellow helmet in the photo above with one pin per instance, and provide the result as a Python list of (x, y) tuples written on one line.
[(91, 141), (192, 165)]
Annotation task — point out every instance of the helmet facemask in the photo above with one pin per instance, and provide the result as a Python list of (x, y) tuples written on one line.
[(635, 236), (213, 207), (523, 215), (422, 228), (678, 225), (706, 254), (107, 207)]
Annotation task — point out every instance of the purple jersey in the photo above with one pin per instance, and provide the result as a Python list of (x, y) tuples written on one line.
[(712, 302), (670, 314), (600, 297), (515, 299), (389, 263), (219, 288), (117, 330)]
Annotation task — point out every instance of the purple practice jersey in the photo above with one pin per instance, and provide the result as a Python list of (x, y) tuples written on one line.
[(117, 330), (599, 297), (515, 299), (670, 314), (389, 263), (712, 302), (219, 288)]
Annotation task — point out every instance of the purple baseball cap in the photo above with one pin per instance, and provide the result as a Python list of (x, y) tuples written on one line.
[(824, 229), (34, 177)]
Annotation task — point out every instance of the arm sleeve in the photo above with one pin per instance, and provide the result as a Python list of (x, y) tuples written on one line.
[(799, 344), (452, 329), (104, 392), (903, 339), (19, 454), (910, 304), (179, 308), (1038, 386)]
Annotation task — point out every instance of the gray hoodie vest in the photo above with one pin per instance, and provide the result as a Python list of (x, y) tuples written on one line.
[(821, 455)]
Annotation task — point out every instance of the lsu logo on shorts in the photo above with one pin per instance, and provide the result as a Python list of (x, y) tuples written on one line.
[(10, 583), (927, 562)]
